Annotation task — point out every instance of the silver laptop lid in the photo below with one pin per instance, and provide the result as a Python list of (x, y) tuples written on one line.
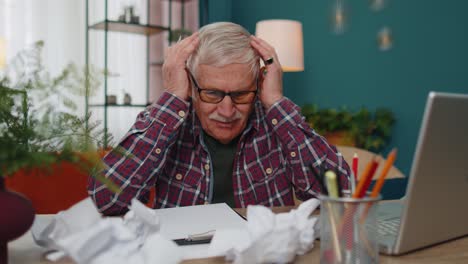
[(437, 194)]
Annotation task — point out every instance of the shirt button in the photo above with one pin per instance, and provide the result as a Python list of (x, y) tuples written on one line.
[(206, 202), (158, 151), (293, 154), (274, 121), (269, 170), (178, 176), (207, 166), (181, 113)]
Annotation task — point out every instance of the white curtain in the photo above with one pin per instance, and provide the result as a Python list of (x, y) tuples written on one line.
[(60, 24)]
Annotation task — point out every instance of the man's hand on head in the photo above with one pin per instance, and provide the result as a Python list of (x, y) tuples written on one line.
[(270, 76), (175, 79)]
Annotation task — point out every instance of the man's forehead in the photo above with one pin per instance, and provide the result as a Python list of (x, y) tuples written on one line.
[(235, 71)]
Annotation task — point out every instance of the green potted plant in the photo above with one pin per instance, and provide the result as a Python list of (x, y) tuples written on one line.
[(39, 127), (362, 128)]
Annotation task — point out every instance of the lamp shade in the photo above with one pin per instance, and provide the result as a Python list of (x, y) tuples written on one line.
[(286, 37)]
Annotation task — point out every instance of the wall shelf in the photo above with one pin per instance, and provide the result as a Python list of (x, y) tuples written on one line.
[(109, 51), (128, 27)]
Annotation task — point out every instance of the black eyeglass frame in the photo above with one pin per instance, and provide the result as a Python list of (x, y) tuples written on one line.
[(223, 94)]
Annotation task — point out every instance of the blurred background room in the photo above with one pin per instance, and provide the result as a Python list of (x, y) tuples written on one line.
[(371, 60)]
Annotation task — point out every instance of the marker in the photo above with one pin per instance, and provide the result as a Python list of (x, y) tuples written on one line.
[(332, 184)]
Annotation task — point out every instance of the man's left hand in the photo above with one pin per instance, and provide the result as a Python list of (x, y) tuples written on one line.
[(270, 76)]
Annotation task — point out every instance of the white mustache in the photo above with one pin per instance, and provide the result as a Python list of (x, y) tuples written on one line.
[(216, 117)]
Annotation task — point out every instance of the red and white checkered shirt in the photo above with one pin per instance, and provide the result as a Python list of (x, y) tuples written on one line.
[(277, 154)]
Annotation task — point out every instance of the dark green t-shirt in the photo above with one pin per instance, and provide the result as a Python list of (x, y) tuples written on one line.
[(222, 158)]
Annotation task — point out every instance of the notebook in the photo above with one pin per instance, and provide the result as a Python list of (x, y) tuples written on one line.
[(435, 207)]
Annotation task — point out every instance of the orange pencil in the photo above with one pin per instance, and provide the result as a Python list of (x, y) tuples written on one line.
[(378, 185), (388, 164), (366, 178)]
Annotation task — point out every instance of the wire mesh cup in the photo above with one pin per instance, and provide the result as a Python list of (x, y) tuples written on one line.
[(348, 230)]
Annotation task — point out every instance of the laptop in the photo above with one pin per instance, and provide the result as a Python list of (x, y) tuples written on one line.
[(435, 207)]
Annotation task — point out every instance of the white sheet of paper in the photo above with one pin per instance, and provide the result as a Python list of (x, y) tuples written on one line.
[(179, 222)]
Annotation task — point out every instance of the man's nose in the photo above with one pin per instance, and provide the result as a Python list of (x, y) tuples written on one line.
[(226, 107)]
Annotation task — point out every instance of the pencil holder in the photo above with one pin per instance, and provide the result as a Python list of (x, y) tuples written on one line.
[(348, 230)]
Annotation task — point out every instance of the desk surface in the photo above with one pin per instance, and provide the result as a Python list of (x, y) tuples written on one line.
[(455, 251)]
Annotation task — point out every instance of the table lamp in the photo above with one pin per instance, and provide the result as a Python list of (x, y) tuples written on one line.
[(286, 37)]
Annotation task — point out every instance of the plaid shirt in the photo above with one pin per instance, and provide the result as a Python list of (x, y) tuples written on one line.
[(277, 154)]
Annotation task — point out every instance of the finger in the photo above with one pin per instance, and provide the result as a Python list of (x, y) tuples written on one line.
[(263, 46), (186, 41), (185, 48), (265, 51)]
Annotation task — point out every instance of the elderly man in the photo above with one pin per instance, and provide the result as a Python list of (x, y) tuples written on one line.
[(221, 132)]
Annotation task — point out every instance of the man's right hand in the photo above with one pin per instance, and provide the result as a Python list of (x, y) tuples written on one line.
[(175, 78)]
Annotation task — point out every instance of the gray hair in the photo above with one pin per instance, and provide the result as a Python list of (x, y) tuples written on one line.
[(224, 43)]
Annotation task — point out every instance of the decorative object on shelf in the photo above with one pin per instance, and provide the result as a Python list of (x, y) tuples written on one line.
[(286, 37), (111, 99), (127, 99), (17, 216), (363, 129), (128, 15)]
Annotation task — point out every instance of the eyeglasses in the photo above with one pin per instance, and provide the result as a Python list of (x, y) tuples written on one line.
[(216, 96)]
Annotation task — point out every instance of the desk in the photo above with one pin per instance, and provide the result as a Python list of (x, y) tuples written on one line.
[(24, 251)]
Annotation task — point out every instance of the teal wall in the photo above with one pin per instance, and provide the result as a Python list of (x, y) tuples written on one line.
[(430, 52)]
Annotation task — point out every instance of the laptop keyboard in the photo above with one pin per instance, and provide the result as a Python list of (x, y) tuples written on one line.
[(388, 227)]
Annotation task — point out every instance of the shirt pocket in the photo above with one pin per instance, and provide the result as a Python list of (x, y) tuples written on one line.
[(266, 168), (182, 175)]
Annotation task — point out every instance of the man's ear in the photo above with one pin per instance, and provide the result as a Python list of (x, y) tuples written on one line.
[(261, 76), (190, 84)]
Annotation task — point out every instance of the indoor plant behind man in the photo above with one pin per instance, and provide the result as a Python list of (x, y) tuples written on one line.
[(221, 132)]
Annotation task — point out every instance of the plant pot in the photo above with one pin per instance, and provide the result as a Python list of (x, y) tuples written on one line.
[(340, 138), (16, 217)]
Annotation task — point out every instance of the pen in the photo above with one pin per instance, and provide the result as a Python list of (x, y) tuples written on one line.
[(196, 239), (355, 165)]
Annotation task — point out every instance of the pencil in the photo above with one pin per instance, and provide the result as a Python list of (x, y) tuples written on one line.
[(387, 166), (378, 185), (365, 179)]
